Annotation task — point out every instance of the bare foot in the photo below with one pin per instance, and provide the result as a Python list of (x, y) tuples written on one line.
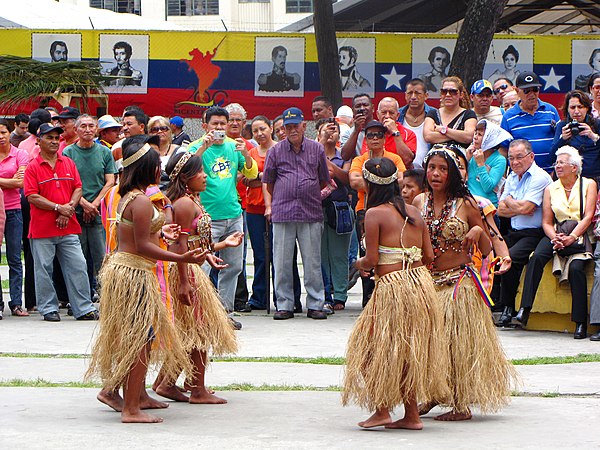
[(111, 398), (171, 392), (452, 416), (406, 424), (147, 402), (188, 386), (139, 417), (205, 397), (424, 408), (378, 419)]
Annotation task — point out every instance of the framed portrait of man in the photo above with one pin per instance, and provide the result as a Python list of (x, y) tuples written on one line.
[(124, 60), (279, 67), (64, 47)]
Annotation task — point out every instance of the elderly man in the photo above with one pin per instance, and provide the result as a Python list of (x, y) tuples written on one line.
[(67, 118), (481, 97), (398, 139), (532, 119), (53, 188), (295, 172), (521, 201)]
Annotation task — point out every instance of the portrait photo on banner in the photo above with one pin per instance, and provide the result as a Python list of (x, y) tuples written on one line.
[(279, 67), (357, 65), (431, 61), (124, 60), (585, 61), (63, 47), (507, 58)]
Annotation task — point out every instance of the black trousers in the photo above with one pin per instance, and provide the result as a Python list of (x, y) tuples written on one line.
[(520, 245), (29, 278), (577, 280)]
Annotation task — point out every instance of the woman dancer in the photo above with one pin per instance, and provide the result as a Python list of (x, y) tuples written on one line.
[(132, 310), (200, 318), (385, 369), (479, 373)]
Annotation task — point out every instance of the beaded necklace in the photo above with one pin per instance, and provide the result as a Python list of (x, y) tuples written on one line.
[(202, 238), (443, 231)]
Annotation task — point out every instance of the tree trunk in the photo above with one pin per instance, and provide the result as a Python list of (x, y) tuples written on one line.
[(327, 51), (474, 39)]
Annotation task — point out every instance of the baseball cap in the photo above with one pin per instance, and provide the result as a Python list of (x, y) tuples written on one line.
[(177, 121), (527, 79), (480, 85), (345, 111), (292, 115), (375, 124), (68, 112), (108, 121), (46, 128)]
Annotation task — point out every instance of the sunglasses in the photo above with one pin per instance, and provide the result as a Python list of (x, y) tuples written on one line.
[(502, 87), (157, 129), (375, 134), (449, 91), (531, 89)]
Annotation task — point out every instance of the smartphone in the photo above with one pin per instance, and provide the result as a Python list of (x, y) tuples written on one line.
[(219, 135), (331, 120)]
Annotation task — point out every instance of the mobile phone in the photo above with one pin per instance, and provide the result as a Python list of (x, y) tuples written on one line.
[(331, 120), (219, 135)]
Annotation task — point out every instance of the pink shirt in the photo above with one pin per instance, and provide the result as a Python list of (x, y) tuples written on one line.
[(30, 146), (8, 167)]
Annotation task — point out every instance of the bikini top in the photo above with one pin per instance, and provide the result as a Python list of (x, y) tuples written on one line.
[(450, 228), (156, 223), (201, 234), (396, 255)]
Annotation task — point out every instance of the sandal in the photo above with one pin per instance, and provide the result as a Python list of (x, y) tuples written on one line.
[(339, 306), (19, 312)]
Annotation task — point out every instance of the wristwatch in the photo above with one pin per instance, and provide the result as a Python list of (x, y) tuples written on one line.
[(396, 133), (443, 130)]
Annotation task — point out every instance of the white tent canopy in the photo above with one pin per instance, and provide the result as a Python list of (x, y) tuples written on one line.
[(49, 14)]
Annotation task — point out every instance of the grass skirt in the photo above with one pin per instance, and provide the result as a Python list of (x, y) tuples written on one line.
[(131, 305), (204, 324), (394, 351), (479, 373)]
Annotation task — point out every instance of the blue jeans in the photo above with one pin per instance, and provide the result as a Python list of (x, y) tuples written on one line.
[(13, 234), (93, 245), (68, 251)]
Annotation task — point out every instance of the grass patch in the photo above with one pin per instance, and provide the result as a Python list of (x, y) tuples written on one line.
[(542, 360), (5, 284), (44, 355), (333, 361), (41, 383)]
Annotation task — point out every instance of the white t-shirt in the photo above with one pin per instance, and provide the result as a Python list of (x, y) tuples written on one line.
[(495, 115), (422, 146)]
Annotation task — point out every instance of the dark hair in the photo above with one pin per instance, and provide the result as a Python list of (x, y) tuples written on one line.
[(585, 100), (351, 52), (139, 116), (592, 56), (416, 81), (322, 98), (21, 118), (6, 124), (279, 117), (277, 49), (455, 186), (125, 46), (133, 108), (438, 49), (141, 173), (593, 77), (264, 119), (380, 194), (56, 44), (178, 186), (215, 111), (524, 142), (416, 174), (38, 117), (509, 82), (464, 101), (361, 94), (510, 50), (322, 122)]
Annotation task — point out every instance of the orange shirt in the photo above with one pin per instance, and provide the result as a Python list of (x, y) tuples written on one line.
[(256, 202), (358, 163)]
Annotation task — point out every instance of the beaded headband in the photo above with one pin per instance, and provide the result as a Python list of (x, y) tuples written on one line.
[(372, 178), (182, 161), (442, 149), (137, 155)]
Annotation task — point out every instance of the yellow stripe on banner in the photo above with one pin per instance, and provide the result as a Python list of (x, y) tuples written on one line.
[(15, 42), (552, 50)]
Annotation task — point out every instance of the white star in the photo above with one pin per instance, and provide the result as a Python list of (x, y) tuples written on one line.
[(393, 78), (552, 80)]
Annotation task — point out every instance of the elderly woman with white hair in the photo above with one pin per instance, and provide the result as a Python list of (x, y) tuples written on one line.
[(567, 211)]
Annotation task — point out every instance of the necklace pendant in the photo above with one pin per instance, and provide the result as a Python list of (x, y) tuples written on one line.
[(436, 222)]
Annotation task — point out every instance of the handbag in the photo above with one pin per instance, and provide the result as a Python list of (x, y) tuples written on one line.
[(340, 217), (581, 245)]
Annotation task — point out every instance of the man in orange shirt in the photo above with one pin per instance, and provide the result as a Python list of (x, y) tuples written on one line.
[(375, 139)]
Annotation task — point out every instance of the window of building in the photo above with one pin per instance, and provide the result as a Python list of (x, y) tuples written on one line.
[(192, 7), (120, 6), (298, 6), (254, 1)]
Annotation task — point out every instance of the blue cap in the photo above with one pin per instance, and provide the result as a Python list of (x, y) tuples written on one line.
[(177, 121), (292, 115), (479, 86)]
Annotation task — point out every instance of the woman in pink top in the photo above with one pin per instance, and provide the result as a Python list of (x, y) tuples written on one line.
[(13, 162)]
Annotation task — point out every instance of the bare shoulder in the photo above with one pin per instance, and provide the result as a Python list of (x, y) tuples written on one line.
[(414, 213), (418, 201)]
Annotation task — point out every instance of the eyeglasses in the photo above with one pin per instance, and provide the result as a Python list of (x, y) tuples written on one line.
[(562, 163), (375, 134), (531, 89), (502, 87), (157, 129), (235, 120), (519, 158), (449, 91)]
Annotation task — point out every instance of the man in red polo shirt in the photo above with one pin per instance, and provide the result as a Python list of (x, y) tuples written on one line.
[(398, 139), (53, 188)]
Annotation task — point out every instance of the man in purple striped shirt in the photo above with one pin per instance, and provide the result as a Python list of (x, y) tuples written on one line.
[(295, 172)]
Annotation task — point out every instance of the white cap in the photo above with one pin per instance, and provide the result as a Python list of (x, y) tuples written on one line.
[(345, 111)]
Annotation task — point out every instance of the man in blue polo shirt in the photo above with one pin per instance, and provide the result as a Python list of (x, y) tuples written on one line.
[(532, 119)]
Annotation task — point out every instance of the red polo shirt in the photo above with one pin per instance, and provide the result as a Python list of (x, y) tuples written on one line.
[(56, 185)]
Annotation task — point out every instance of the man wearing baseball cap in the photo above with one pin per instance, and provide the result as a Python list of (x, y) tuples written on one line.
[(295, 172), (532, 119), (53, 188), (67, 117), (109, 131), (482, 97), (180, 137)]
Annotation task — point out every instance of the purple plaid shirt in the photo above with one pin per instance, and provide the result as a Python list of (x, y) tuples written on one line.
[(296, 179)]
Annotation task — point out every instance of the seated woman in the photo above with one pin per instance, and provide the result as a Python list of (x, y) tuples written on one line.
[(571, 198), (387, 369), (580, 130)]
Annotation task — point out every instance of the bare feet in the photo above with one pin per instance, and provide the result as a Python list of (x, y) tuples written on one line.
[(424, 408), (452, 416), (147, 402), (171, 392), (188, 386), (139, 417), (406, 424), (202, 396), (111, 398), (378, 419)]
